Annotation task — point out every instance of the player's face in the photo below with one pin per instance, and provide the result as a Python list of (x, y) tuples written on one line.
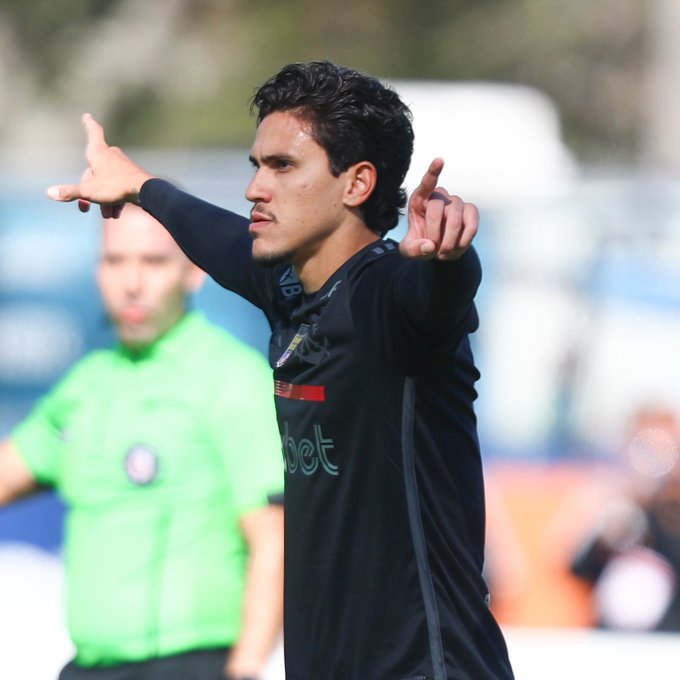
[(297, 202), (143, 277)]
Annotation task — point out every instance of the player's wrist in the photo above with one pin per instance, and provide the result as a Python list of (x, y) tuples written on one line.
[(136, 184)]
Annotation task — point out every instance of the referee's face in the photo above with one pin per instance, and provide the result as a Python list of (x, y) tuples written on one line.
[(143, 276)]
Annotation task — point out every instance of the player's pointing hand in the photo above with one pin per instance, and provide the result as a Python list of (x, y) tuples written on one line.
[(111, 178), (440, 225)]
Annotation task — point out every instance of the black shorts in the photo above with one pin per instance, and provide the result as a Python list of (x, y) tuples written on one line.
[(204, 664)]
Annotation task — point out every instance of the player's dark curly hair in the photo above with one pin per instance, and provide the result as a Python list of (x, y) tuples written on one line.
[(354, 117)]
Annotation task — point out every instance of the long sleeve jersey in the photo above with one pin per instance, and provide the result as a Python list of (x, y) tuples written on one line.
[(375, 382)]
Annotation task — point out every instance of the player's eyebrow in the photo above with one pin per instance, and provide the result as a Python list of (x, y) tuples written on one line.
[(270, 159)]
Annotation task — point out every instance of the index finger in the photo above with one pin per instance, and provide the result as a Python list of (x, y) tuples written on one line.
[(430, 179), (95, 135)]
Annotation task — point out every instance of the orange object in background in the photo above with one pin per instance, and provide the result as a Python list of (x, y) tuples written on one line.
[(537, 518)]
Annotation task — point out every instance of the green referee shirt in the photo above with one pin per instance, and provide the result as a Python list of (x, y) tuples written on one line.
[(157, 456)]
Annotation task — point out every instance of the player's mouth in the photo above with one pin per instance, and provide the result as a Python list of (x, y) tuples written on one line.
[(259, 221)]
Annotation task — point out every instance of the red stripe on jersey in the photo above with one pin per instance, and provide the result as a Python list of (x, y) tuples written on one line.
[(300, 392)]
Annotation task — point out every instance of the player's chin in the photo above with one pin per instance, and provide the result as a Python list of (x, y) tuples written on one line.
[(270, 258)]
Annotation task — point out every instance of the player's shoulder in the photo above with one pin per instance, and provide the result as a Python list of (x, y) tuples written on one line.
[(378, 263)]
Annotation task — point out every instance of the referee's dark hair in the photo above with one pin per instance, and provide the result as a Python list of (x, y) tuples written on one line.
[(354, 117)]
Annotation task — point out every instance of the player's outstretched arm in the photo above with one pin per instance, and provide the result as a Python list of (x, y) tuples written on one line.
[(111, 179), (440, 225)]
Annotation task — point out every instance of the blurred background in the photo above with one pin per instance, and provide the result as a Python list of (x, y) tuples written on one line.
[(560, 120)]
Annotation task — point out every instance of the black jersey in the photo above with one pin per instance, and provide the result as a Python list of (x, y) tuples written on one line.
[(374, 383)]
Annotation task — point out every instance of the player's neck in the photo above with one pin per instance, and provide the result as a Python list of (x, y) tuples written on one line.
[(330, 254)]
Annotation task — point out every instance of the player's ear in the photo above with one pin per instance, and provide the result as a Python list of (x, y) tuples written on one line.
[(362, 178)]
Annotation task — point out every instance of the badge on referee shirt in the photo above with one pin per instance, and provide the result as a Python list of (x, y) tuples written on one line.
[(141, 464)]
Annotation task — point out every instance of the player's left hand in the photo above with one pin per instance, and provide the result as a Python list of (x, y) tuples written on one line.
[(440, 225)]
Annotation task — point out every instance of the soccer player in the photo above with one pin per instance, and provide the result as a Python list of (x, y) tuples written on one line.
[(166, 454), (374, 376)]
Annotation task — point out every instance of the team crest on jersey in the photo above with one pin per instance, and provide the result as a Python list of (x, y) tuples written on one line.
[(141, 464), (292, 346), (289, 284)]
